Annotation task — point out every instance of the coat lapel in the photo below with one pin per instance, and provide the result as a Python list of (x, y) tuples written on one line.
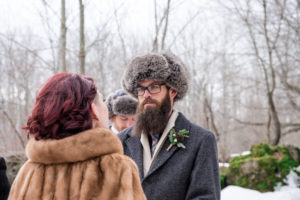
[(164, 155), (135, 151)]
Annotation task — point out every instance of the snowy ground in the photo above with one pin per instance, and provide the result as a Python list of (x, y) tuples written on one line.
[(289, 192)]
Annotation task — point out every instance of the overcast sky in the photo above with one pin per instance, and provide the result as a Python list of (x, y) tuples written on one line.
[(136, 15)]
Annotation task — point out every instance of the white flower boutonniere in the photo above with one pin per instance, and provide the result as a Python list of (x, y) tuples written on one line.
[(177, 138)]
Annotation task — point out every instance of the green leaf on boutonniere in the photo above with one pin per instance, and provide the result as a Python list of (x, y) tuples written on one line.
[(181, 145), (177, 138)]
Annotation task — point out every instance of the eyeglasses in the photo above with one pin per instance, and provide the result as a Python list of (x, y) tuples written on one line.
[(152, 89)]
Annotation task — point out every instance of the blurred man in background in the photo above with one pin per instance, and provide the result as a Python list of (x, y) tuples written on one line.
[(121, 108)]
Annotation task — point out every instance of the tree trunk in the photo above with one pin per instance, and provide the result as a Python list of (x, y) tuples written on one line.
[(271, 88), (166, 26), (82, 45), (155, 41), (159, 25), (63, 38)]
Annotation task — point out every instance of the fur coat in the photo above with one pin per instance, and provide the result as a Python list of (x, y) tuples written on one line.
[(88, 165)]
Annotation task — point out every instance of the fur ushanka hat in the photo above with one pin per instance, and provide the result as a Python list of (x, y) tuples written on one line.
[(164, 67), (120, 103)]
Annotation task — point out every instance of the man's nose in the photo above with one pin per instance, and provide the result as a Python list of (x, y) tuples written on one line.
[(129, 123), (147, 94)]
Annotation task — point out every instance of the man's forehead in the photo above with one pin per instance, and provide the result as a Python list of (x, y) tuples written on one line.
[(149, 82), (125, 115)]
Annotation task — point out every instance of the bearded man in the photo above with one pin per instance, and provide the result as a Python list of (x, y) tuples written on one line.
[(177, 160)]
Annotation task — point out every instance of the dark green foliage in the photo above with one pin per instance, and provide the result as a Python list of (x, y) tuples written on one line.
[(236, 162), (259, 150), (263, 168), (223, 180)]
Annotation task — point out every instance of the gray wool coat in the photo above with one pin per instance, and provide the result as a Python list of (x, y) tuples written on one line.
[(179, 174)]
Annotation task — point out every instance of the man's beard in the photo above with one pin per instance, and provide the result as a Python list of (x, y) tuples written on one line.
[(152, 120)]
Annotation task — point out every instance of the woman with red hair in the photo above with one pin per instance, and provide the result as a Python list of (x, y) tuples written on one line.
[(71, 152)]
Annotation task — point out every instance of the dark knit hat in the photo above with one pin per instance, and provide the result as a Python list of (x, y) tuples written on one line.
[(164, 67), (120, 103)]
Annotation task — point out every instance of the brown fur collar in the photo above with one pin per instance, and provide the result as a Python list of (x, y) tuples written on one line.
[(79, 147)]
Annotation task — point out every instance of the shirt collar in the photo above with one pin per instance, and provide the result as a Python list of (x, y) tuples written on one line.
[(113, 129)]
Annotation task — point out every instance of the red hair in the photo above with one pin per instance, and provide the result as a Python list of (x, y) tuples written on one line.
[(62, 107)]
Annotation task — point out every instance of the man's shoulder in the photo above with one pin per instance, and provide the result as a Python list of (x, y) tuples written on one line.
[(192, 127), (124, 134)]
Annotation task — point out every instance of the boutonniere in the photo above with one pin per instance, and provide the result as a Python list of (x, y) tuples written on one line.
[(177, 138)]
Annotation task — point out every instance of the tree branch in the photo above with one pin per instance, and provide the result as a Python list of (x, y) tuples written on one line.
[(12, 124)]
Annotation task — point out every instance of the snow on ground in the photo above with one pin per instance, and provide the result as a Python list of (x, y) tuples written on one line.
[(288, 192), (224, 165), (240, 154)]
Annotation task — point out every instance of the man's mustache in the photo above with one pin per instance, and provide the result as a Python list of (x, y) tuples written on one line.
[(150, 101)]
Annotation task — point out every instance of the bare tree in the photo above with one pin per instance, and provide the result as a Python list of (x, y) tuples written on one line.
[(81, 40), (266, 27), (164, 34), (46, 16), (63, 38), (120, 34), (19, 71), (270, 85), (13, 126), (159, 25)]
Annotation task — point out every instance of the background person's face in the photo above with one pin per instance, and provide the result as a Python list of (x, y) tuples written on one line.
[(123, 121)]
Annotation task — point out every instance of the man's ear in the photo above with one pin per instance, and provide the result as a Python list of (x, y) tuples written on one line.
[(113, 118), (95, 113), (172, 93)]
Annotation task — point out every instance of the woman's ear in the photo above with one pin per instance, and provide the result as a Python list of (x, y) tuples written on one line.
[(95, 112)]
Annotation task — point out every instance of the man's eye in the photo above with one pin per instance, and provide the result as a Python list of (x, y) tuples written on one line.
[(139, 89), (154, 87)]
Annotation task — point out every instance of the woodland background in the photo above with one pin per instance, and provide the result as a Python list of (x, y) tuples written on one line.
[(242, 55)]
